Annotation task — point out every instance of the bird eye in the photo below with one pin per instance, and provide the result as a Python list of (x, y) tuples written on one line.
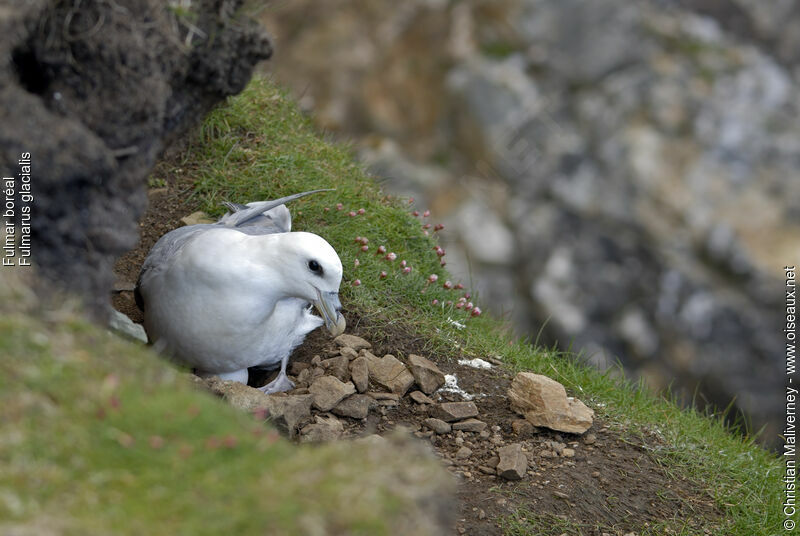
[(314, 266)]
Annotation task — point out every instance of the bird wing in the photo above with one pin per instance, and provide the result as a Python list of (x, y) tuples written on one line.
[(258, 218)]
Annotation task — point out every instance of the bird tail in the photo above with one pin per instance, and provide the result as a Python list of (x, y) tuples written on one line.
[(245, 213)]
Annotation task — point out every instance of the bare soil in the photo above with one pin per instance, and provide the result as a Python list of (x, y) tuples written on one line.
[(615, 483)]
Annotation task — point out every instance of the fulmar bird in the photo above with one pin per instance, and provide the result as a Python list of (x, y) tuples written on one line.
[(235, 294)]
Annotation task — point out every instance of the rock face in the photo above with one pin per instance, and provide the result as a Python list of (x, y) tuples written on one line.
[(642, 173), (544, 402), (95, 95)]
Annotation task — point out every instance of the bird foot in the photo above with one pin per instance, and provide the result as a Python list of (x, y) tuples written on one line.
[(278, 385)]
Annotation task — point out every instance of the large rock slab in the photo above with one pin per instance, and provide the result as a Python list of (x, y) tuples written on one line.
[(544, 402), (389, 372), (426, 373), (359, 374)]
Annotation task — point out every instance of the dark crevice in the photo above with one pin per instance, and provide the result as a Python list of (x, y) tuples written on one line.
[(30, 72)]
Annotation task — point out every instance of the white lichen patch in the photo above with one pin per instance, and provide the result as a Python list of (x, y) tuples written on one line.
[(477, 363)]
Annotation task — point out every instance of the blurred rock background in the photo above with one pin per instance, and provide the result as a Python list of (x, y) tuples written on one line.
[(618, 177)]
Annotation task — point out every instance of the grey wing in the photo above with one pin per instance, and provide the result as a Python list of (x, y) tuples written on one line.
[(164, 250), (275, 220), (257, 211)]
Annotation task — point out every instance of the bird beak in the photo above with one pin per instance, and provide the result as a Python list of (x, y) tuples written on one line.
[(329, 306)]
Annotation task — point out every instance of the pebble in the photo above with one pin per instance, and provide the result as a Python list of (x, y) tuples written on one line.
[(329, 391), (437, 425), (355, 406), (463, 453), (359, 374), (470, 425), (425, 372)]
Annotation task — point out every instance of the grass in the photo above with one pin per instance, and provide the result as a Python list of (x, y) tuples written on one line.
[(77, 447), (260, 146)]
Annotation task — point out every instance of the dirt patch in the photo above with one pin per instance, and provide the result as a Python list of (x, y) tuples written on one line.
[(602, 482)]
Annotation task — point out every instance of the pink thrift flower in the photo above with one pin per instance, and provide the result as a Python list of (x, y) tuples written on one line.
[(476, 311), (364, 248), (339, 206), (426, 213), (356, 283), (433, 278), (407, 270), (383, 275), (391, 256), (448, 285), (381, 250), (361, 211)]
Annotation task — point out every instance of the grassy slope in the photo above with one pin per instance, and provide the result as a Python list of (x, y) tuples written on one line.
[(99, 436), (260, 147), (76, 431)]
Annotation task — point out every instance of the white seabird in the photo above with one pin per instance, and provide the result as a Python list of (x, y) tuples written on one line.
[(236, 294)]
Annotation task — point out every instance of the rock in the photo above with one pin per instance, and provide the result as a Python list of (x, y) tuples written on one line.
[(568, 453), (288, 412), (338, 367), (454, 411), (351, 341), (590, 439), (355, 406), (348, 352), (543, 401), (437, 425), (296, 367), (196, 218), (426, 373), (420, 398), (470, 425), (522, 428), (120, 323), (512, 463), (329, 391), (463, 453), (237, 394), (377, 395), (323, 429), (391, 373), (359, 374)]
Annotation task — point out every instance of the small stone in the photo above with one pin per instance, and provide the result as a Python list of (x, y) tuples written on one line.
[(329, 391), (590, 439), (338, 367), (355, 406), (544, 402), (388, 403), (296, 367), (522, 428), (316, 361), (596, 474), (197, 217), (323, 429), (420, 398), (122, 324), (391, 373), (470, 425), (561, 494), (426, 373), (486, 469), (359, 373), (513, 463), (238, 394), (348, 352), (568, 453), (352, 341), (454, 411), (287, 412), (437, 425), (547, 454), (463, 453)]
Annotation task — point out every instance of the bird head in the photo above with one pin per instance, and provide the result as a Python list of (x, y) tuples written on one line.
[(315, 271)]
